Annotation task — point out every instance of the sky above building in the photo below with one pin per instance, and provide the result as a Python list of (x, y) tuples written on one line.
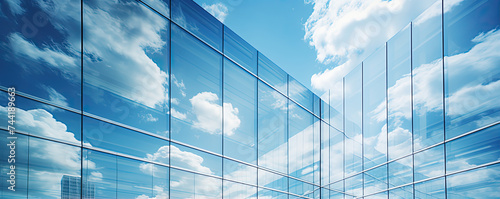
[(316, 41)]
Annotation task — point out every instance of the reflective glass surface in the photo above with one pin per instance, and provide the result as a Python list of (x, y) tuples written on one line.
[(300, 94), (199, 22), (430, 189), (235, 190), (401, 193), (239, 50), (471, 61), (478, 183), (239, 172), (272, 180), (429, 163), (401, 171), (21, 165), (195, 160), (190, 185), (427, 78), (375, 180), (374, 109), (301, 143), (354, 185), (196, 92), (336, 155), (353, 120), (272, 74)]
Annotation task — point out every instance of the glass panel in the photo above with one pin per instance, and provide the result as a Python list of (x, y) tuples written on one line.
[(196, 20), (35, 118), (325, 154), (239, 50), (432, 189), (399, 94), (401, 172), (234, 190), (427, 78), (160, 182), (195, 160), (478, 183), (272, 136), (134, 179), (301, 143), (354, 185), (472, 75), (374, 109), (122, 140), (473, 150), (378, 196), (239, 172), (139, 98), (52, 167), (266, 193), (189, 185), (337, 105), (375, 180), (299, 188), (272, 180), (41, 47), (162, 6), (240, 113), (429, 163), (99, 174), (196, 92), (337, 186), (401, 193), (317, 106), (336, 155), (300, 94), (273, 74), (20, 161), (336, 195), (353, 121)]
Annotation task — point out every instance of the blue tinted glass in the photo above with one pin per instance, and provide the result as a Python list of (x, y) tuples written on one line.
[(196, 20), (337, 186), (382, 195), (401, 193), (234, 190), (432, 189), (240, 113), (374, 109), (21, 165), (375, 180), (35, 118), (336, 155), (133, 178), (300, 94), (301, 143), (40, 53), (160, 181), (107, 136), (354, 185), (139, 98), (239, 172), (50, 165), (317, 106), (99, 174), (473, 150), (325, 111), (239, 50), (195, 160), (427, 78), (162, 6), (272, 134), (337, 105), (353, 120), (325, 154), (478, 183), (399, 94), (429, 163), (272, 180), (189, 185), (196, 92), (299, 188), (272, 74), (336, 195), (401, 171), (471, 64)]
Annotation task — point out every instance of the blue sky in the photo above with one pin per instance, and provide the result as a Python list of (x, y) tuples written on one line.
[(316, 41)]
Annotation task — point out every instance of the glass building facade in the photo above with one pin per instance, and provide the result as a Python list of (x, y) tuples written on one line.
[(158, 99)]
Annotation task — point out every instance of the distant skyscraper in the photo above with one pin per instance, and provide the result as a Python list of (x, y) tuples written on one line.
[(70, 188)]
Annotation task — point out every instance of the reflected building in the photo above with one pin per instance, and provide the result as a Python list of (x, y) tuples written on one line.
[(158, 99)]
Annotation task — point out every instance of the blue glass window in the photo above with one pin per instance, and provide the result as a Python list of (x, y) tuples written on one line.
[(336, 155), (300, 94), (301, 143), (432, 189), (239, 50), (272, 74), (100, 174), (337, 105), (401, 193), (133, 179), (196, 92), (41, 47), (190, 185), (161, 6), (354, 185), (195, 160), (240, 172), (272, 180), (21, 164), (375, 180), (401, 171), (233, 190), (477, 183), (429, 163), (353, 120), (472, 75), (199, 22)]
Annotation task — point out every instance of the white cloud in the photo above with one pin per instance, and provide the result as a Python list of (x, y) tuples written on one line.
[(178, 114), (218, 10), (15, 7), (56, 97), (209, 114), (150, 118)]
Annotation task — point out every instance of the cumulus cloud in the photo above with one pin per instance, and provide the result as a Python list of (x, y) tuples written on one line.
[(178, 114), (209, 114), (150, 118), (15, 7), (218, 10)]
